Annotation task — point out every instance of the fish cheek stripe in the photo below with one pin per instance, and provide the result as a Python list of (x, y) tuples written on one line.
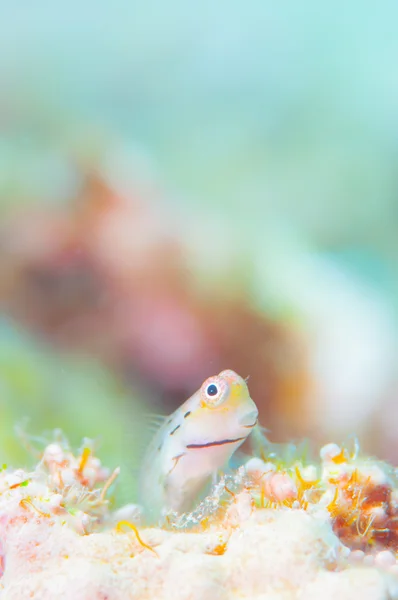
[(216, 443)]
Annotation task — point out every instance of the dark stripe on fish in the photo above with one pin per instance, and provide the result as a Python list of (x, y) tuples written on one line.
[(210, 444), (174, 430)]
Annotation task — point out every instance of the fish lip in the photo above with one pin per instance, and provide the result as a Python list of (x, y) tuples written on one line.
[(249, 419), (250, 426)]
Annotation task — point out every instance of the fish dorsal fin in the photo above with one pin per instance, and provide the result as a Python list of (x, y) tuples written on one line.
[(139, 433), (153, 422), (136, 437)]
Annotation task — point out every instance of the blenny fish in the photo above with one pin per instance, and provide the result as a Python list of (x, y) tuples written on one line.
[(196, 441)]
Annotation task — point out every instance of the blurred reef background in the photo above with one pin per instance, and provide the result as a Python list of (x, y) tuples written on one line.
[(184, 190)]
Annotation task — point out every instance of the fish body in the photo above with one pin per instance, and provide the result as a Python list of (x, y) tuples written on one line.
[(195, 442)]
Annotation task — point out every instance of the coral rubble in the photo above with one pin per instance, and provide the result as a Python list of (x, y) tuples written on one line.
[(273, 529)]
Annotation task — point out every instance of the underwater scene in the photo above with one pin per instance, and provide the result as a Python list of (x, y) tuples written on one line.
[(198, 300)]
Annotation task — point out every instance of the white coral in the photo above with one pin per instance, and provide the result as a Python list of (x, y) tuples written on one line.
[(261, 554)]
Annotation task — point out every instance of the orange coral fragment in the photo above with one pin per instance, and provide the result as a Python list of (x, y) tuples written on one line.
[(303, 485), (108, 483), (19, 484), (340, 458), (333, 506), (220, 549), (83, 461), (135, 529), (229, 492), (25, 503)]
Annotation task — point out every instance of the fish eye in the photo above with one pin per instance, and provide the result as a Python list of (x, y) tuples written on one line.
[(212, 390)]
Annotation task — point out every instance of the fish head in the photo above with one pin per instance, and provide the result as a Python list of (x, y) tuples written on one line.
[(222, 409)]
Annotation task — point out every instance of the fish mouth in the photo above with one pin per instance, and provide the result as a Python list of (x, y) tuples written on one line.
[(251, 426), (216, 443), (249, 419)]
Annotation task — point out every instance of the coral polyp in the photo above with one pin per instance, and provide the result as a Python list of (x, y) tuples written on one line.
[(359, 493), (364, 505)]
